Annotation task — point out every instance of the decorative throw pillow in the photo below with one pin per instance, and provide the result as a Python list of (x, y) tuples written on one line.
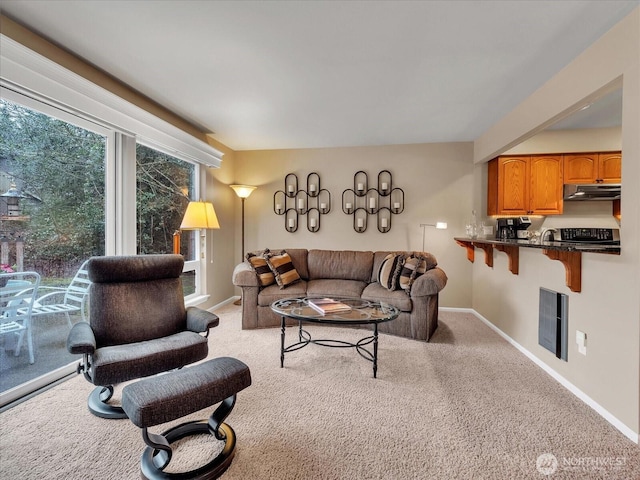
[(413, 267), (260, 266), (390, 270), (283, 269)]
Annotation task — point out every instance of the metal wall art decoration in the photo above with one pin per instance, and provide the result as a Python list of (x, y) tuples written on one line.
[(383, 201), (293, 201)]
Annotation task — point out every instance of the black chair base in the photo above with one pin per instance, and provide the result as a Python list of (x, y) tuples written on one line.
[(152, 401), (98, 405), (157, 455)]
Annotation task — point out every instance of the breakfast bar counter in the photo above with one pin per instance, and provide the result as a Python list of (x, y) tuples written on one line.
[(564, 246), (570, 254)]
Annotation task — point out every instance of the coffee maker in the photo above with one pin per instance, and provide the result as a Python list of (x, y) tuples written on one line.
[(512, 228)]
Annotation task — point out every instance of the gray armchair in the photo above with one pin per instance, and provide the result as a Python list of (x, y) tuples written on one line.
[(138, 325)]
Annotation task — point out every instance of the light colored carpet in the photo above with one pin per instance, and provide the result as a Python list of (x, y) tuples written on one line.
[(465, 405)]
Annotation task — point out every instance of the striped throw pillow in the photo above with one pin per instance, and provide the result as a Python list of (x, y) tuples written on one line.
[(283, 269), (389, 271), (413, 267), (260, 266)]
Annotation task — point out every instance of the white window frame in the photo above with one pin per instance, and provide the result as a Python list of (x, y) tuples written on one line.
[(110, 153), (189, 265), (42, 84), (111, 156), (29, 73), (120, 184)]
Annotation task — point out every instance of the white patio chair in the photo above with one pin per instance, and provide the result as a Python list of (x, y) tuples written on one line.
[(17, 296), (72, 298)]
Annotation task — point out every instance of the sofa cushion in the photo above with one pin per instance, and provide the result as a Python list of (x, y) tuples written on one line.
[(262, 269), (389, 271), (270, 294), (298, 257), (377, 293), (379, 257), (335, 288), (413, 267), (283, 269), (340, 264)]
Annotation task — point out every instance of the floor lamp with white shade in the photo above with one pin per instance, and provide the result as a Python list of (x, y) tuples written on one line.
[(243, 191)]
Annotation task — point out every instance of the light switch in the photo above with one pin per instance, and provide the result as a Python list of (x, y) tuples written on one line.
[(581, 340)]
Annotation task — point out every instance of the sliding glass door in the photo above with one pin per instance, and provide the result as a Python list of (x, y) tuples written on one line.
[(80, 174), (52, 218), (60, 180)]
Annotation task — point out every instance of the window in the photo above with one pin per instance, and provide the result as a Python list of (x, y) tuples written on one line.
[(58, 170), (53, 222), (95, 201), (164, 186)]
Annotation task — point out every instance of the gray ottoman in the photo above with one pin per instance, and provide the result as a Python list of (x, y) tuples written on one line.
[(173, 395)]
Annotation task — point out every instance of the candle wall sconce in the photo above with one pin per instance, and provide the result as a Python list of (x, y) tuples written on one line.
[(313, 220), (291, 184), (291, 220), (383, 201), (384, 220), (292, 202), (360, 218)]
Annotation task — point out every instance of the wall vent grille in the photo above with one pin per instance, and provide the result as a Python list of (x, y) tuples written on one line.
[(553, 328)]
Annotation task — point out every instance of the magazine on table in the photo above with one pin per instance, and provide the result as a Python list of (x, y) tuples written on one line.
[(328, 305)]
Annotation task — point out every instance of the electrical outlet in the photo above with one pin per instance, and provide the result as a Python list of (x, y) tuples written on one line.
[(581, 340)]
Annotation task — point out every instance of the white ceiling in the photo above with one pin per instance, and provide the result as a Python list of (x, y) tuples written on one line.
[(285, 74)]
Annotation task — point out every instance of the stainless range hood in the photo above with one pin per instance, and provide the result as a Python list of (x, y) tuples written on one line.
[(592, 191)]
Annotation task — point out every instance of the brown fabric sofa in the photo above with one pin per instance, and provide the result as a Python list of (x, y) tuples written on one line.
[(346, 274)]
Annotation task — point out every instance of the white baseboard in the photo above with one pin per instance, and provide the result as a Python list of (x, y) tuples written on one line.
[(224, 302), (626, 431)]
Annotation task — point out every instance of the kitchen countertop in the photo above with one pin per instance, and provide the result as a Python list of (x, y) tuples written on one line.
[(561, 246), (569, 254)]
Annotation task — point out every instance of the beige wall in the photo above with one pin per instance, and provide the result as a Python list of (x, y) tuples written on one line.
[(566, 141), (436, 179), (221, 246), (608, 308)]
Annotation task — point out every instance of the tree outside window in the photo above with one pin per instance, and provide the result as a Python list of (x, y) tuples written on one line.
[(58, 170)]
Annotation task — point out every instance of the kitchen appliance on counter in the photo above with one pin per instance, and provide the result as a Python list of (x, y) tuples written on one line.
[(608, 236), (512, 228)]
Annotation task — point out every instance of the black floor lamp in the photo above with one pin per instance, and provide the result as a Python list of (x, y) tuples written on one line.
[(243, 191)]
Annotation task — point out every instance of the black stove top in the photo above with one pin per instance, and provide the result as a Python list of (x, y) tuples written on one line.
[(609, 236)]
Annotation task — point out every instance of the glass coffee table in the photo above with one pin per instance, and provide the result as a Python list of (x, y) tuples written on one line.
[(361, 312)]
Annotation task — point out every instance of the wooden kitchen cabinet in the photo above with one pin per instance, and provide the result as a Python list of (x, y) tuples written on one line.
[(609, 167), (595, 167), (525, 185), (546, 194), (513, 187)]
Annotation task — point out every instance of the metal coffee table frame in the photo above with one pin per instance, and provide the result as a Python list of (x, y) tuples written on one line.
[(362, 312)]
